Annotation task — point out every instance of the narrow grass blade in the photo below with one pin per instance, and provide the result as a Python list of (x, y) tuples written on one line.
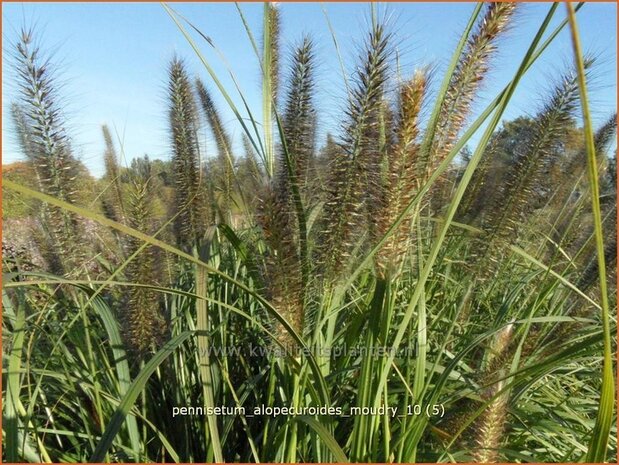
[(599, 440), (429, 136), (122, 367), (205, 364), (326, 438), (219, 84), (13, 385), (134, 391)]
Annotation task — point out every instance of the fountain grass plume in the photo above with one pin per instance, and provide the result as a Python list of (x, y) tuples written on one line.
[(489, 428), (144, 323), (299, 118), (470, 73), (113, 202), (277, 210), (513, 203), (223, 144), (46, 144), (356, 165), (189, 225), (401, 182)]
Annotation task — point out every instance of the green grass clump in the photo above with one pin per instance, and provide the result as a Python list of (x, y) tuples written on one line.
[(348, 276)]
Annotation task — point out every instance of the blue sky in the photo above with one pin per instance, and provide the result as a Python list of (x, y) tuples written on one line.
[(112, 60)]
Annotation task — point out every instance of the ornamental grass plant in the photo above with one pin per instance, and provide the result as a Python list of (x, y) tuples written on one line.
[(395, 264)]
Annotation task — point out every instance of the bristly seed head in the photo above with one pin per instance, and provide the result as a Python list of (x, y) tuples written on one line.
[(401, 183), (189, 199), (356, 166), (466, 80)]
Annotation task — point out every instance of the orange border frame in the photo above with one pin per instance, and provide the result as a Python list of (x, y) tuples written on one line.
[(302, 1)]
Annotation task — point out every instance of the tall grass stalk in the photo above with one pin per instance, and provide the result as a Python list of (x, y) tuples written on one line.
[(601, 431)]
